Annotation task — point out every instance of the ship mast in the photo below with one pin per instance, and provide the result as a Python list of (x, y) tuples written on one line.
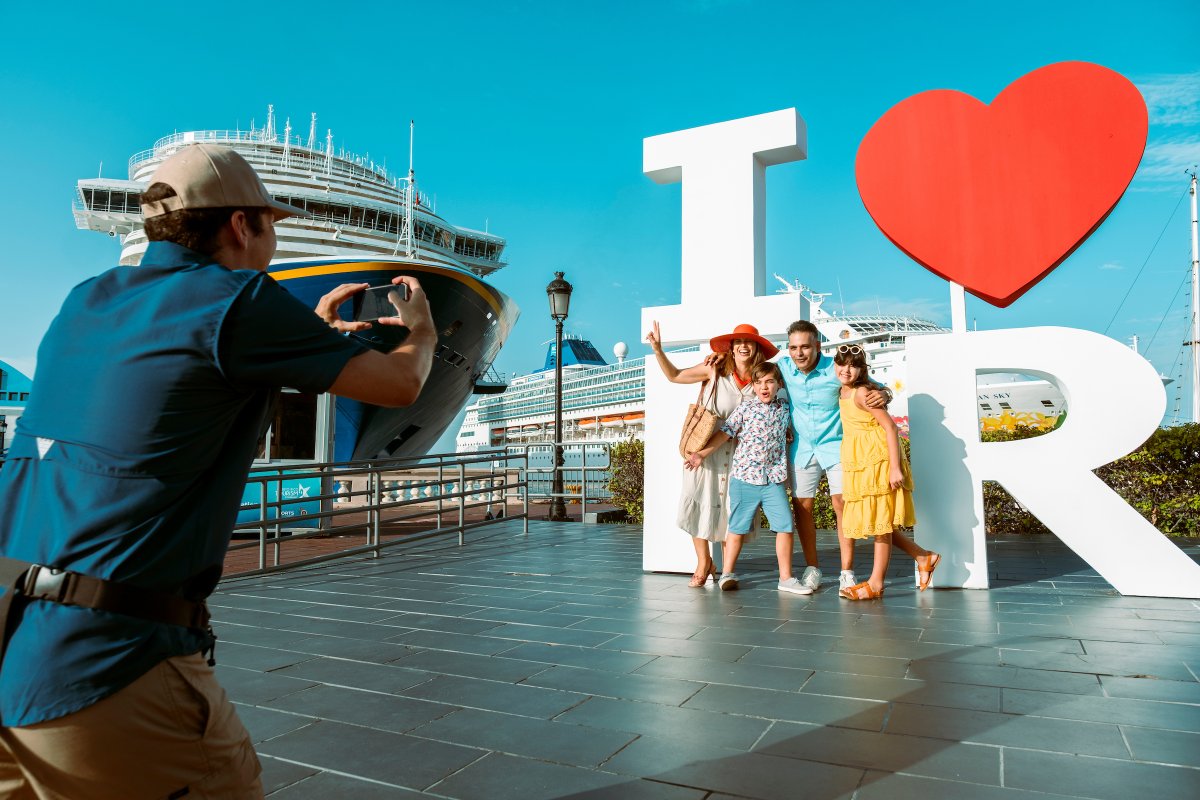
[(412, 188), (1195, 339)]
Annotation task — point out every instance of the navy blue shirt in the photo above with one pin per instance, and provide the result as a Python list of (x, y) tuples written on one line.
[(153, 387)]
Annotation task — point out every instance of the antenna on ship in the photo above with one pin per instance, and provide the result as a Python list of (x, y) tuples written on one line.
[(269, 128), (1195, 340), (287, 143), (312, 131), (412, 189), (328, 150)]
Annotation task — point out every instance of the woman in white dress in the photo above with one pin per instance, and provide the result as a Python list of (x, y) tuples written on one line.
[(704, 501)]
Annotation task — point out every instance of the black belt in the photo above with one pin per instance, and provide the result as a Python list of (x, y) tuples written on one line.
[(22, 581)]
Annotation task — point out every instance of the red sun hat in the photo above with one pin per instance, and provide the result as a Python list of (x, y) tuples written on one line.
[(721, 344)]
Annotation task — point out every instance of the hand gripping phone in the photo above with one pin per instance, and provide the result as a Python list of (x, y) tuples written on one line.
[(371, 304)]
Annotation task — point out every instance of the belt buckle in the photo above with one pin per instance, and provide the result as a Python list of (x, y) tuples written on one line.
[(47, 583)]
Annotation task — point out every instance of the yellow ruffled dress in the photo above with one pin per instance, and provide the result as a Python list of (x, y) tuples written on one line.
[(871, 507)]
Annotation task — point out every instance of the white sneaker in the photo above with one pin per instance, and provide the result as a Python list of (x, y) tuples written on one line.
[(728, 582), (793, 586), (846, 579), (811, 578)]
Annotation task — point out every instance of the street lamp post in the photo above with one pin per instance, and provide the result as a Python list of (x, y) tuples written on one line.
[(3, 433), (559, 294)]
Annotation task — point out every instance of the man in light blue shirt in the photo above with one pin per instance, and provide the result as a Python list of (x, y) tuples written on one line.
[(813, 390)]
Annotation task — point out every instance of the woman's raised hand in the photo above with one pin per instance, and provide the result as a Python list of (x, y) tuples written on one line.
[(654, 337)]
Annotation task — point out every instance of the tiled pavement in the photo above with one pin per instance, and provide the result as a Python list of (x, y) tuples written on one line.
[(551, 666)]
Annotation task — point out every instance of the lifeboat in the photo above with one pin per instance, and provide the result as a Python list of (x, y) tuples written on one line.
[(635, 420), (613, 421), (589, 423)]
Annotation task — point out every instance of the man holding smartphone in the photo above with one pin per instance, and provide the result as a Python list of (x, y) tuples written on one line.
[(123, 483)]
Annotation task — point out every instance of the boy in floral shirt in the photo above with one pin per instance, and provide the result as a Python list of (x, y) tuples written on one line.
[(757, 475)]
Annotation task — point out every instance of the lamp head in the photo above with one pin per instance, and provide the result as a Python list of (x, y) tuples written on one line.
[(559, 294)]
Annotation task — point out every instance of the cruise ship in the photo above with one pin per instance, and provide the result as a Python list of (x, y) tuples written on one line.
[(367, 225), (605, 402)]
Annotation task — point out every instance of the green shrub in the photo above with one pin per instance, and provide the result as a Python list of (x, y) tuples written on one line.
[(626, 480)]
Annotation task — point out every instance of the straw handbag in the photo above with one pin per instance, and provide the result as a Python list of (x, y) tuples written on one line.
[(700, 424)]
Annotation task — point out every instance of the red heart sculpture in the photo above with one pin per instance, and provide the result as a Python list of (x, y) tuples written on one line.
[(994, 197)]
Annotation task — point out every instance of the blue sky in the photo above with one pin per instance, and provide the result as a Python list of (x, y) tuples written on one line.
[(531, 116)]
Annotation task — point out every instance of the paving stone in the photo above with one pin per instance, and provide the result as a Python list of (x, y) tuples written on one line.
[(1013, 677), (326, 785), (868, 687), (587, 657), (392, 758), (683, 724), (266, 723), (356, 674), (766, 777), (520, 699), (503, 776), (982, 727), (1166, 747), (453, 642), (650, 754), (437, 622), (523, 736), (551, 635), (636, 686), (791, 706), (277, 775), (1140, 665), (351, 649), (1146, 713), (501, 615), (256, 688), (370, 709), (1151, 689), (827, 662), (892, 786), (261, 659), (497, 669), (675, 647), (936, 758), (1098, 778), (723, 672), (785, 638), (667, 630)]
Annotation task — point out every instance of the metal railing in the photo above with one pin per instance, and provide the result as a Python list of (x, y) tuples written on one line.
[(380, 503), (383, 504)]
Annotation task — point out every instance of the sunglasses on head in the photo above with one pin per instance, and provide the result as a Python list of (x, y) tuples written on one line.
[(852, 349)]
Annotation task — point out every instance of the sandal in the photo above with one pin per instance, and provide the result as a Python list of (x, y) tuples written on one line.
[(925, 574), (861, 591), (698, 581)]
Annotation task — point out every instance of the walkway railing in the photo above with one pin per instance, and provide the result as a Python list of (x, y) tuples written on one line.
[(297, 515)]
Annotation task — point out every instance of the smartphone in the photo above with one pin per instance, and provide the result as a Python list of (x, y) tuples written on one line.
[(371, 304)]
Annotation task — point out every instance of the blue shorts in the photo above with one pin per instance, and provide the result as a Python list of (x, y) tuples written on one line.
[(744, 500)]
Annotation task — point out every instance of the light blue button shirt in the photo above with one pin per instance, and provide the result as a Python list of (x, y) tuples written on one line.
[(815, 415)]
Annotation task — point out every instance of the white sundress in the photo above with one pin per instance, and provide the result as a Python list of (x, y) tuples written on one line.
[(704, 498)]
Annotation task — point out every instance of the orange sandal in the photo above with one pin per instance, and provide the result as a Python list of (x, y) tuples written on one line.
[(698, 581), (861, 591), (925, 574)]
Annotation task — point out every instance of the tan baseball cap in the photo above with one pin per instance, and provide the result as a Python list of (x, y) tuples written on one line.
[(211, 176)]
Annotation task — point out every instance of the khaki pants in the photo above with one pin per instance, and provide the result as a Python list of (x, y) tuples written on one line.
[(172, 733)]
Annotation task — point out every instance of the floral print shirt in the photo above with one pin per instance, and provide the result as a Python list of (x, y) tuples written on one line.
[(761, 433)]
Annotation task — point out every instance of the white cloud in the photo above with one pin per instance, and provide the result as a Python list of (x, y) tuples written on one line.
[(1111, 265), (1172, 99), (1166, 159)]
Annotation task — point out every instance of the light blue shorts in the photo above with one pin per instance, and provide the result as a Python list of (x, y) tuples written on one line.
[(744, 500)]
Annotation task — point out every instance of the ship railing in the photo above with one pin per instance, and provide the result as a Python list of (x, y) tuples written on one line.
[(352, 163), (296, 515)]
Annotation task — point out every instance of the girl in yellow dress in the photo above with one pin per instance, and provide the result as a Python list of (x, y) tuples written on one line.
[(876, 484)]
